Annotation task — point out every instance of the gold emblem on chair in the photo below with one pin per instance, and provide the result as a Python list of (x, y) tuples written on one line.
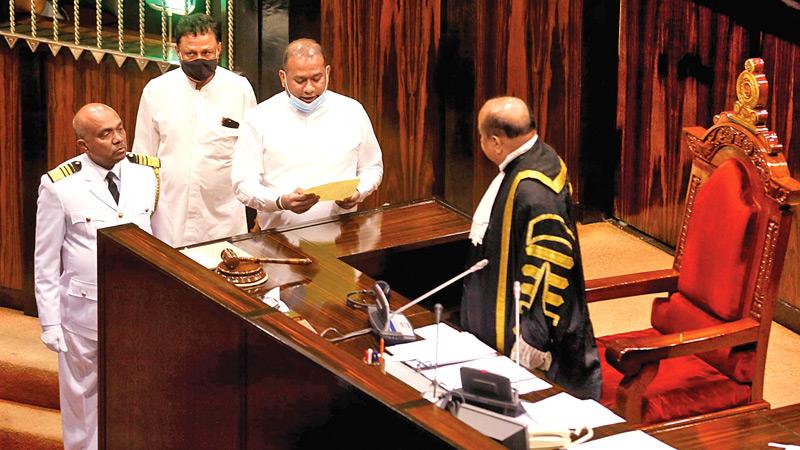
[(752, 93)]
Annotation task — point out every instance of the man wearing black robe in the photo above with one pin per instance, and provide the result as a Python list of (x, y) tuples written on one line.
[(524, 227)]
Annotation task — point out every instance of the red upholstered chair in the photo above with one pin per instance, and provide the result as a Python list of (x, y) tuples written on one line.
[(705, 353)]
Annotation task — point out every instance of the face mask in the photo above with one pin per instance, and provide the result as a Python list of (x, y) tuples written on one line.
[(308, 108), (199, 69)]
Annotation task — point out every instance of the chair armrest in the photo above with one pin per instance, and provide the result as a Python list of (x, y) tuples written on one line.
[(628, 355), (628, 285)]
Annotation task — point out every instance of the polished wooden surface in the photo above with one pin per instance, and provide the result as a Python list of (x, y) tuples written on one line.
[(71, 84), (678, 63), (10, 170), (531, 50), (384, 55), (749, 431), (164, 350)]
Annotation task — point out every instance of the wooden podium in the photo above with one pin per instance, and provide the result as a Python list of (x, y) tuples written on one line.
[(188, 360)]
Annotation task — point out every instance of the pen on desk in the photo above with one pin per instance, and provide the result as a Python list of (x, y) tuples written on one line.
[(383, 366)]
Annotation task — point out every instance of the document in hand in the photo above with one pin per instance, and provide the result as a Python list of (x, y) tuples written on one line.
[(338, 190)]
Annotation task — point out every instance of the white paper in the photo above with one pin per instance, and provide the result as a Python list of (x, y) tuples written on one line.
[(522, 380), (565, 411), (452, 349), (632, 440), (273, 298), (429, 332), (208, 255), (406, 374)]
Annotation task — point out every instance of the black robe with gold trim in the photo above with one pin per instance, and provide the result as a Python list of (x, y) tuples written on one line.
[(531, 238)]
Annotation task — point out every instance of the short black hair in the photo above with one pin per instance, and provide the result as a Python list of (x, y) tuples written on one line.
[(197, 23), (495, 125)]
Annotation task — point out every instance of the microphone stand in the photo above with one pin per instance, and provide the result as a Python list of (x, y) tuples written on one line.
[(475, 267), (516, 316), (438, 310)]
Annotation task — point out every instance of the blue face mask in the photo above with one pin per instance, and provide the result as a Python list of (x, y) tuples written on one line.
[(308, 108)]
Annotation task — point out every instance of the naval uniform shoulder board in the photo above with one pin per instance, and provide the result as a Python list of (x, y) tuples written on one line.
[(64, 170), (145, 160)]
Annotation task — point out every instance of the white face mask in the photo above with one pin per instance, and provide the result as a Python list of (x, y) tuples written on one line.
[(308, 108)]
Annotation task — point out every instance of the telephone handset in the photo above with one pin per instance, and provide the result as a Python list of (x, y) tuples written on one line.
[(399, 329), (543, 438)]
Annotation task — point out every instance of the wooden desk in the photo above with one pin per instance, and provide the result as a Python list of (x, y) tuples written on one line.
[(187, 360), (748, 431)]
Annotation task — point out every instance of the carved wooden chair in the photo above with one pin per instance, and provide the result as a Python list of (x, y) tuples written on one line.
[(705, 353)]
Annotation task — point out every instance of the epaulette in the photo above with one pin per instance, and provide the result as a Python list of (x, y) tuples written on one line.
[(145, 160), (64, 170)]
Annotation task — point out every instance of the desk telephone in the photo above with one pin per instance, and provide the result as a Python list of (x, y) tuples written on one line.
[(399, 329)]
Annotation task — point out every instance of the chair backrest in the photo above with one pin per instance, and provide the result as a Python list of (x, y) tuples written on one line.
[(735, 228)]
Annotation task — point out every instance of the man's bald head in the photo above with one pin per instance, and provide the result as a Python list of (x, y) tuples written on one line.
[(302, 48), (506, 116), (100, 134), (89, 113), (504, 124)]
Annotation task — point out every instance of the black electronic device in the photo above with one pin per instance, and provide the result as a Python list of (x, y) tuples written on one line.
[(393, 328), (490, 391)]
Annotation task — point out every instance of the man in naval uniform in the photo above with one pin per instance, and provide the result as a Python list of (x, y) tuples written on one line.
[(524, 227), (99, 188)]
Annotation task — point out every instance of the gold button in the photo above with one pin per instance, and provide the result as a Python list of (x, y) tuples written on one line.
[(119, 214)]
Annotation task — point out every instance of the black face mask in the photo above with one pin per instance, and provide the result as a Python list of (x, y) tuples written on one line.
[(199, 69)]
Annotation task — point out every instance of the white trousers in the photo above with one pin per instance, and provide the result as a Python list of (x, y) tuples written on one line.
[(77, 382)]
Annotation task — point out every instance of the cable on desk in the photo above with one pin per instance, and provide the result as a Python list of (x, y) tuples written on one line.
[(343, 337)]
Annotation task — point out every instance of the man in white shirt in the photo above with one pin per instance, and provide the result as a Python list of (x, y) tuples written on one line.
[(304, 137), (189, 118), (97, 189)]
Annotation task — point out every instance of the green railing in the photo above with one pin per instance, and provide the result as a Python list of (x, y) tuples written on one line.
[(142, 33)]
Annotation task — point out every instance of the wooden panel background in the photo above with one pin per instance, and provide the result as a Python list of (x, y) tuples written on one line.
[(531, 50), (678, 64), (782, 66), (71, 84), (383, 54), (11, 276)]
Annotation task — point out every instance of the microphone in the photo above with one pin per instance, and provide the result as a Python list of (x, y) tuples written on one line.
[(475, 267), (438, 310), (394, 327), (516, 315)]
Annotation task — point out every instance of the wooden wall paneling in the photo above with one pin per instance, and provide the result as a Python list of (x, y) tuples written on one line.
[(678, 62), (71, 84), (11, 274), (384, 55), (782, 66), (532, 50)]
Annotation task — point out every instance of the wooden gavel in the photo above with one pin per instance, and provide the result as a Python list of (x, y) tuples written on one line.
[(232, 260)]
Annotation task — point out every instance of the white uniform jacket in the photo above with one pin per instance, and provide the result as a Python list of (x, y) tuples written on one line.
[(281, 148), (69, 213), (184, 127)]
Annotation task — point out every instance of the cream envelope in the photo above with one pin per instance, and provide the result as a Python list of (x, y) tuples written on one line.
[(338, 190)]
